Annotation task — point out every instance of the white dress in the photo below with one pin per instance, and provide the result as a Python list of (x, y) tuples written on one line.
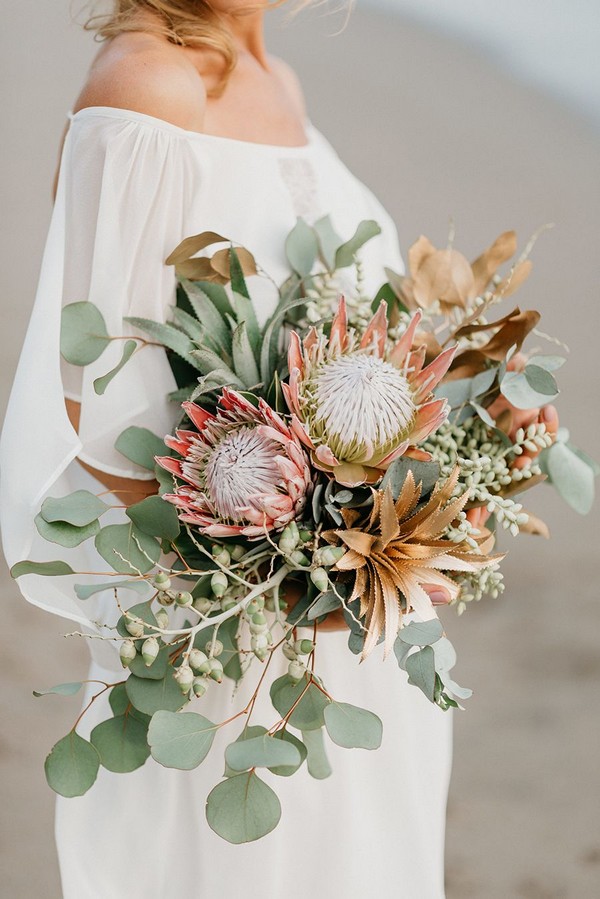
[(131, 187)]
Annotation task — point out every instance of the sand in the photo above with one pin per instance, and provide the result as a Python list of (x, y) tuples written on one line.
[(437, 133)]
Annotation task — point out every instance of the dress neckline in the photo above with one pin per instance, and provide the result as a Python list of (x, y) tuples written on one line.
[(131, 115)]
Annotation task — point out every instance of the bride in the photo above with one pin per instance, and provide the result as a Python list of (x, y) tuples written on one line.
[(186, 123)]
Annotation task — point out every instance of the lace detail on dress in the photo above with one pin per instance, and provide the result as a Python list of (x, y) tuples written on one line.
[(301, 181)]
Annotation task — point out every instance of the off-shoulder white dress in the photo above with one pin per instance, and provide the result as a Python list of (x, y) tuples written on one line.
[(131, 187)]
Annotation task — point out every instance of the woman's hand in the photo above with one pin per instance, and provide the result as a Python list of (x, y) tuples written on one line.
[(292, 592), (520, 418)]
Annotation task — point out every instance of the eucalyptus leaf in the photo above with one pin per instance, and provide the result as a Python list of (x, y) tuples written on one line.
[(243, 808), (180, 739), (401, 651), (47, 569), (445, 655), (157, 670), (83, 334), (352, 727), (68, 689), (101, 383), (325, 603), (140, 445), (308, 713), (288, 770), (120, 704), (84, 591), (421, 670), (65, 534), (121, 743), (456, 690), (550, 363), (316, 761), (141, 610), (301, 247), (150, 696), (329, 241), (72, 765), (122, 537), (78, 508), (156, 517), (248, 733), (261, 752), (421, 633), (530, 388), (345, 254), (571, 476)]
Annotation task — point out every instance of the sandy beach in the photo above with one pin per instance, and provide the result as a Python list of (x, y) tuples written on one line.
[(438, 134)]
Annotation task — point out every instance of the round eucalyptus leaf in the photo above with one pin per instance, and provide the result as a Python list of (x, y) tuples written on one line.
[(83, 334), (421, 633), (529, 388), (121, 743), (120, 704), (48, 569), (150, 696), (301, 247), (421, 671), (261, 752), (157, 670), (61, 689), (317, 761), (308, 714), (571, 476), (242, 808), (156, 517), (84, 591), (72, 765), (120, 537), (65, 534), (78, 508), (352, 727), (141, 610), (249, 732), (140, 445), (180, 740), (288, 770)]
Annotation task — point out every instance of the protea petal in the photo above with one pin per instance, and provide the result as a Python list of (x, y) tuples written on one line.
[(376, 330), (428, 379), (403, 347), (197, 414), (339, 328)]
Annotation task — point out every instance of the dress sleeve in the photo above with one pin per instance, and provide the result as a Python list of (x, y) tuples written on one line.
[(121, 207)]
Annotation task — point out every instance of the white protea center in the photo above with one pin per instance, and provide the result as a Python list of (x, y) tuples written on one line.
[(234, 473), (360, 403)]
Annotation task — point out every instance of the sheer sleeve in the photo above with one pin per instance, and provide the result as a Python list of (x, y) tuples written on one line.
[(123, 191)]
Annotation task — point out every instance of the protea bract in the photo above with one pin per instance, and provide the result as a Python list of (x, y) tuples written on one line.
[(358, 403), (244, 471)]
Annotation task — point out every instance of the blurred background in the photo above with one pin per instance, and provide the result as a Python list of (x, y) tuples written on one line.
[(484, 113)]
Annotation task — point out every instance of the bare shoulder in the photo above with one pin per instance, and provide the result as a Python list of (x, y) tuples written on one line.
[(291, 82), (147, 75)]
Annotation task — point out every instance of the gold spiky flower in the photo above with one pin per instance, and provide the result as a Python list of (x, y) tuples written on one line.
[(398, 548)]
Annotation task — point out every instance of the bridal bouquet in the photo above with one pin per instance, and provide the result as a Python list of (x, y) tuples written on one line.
[(355, 453)]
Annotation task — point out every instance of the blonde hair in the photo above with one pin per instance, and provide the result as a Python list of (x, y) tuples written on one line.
[(189, 23)]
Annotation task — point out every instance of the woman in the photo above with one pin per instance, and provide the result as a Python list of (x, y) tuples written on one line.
[(186, 124)]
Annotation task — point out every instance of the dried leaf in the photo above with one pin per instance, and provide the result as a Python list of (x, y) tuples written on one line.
[(515, 279), (221, 259), (192, 245), (486, 265), (418, 252), (536, 526), (446, 276)]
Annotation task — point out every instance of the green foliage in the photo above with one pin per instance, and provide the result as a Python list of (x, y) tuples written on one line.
[(571, 472), (243, 357), (155, 517), (171, 337), (48, 569), (180, 740), (324, 603), (83, 334), (352, 727), (238, 282), (65, 534), (308, 713), (345, 255), (141, 610), (425, 473), (68, 689), (121, 743), (301, 248), (328, 241), (157, 670), (122, 538), (150, 696), (534, 386), (120, 704), (84, 591), (243, 808), (287, 770), (72, 765), (140, 445), (467, 390), (421, 670), (100, 384), (249, 732), (421, 633), (317, 761), (261, 752), (78, 508)]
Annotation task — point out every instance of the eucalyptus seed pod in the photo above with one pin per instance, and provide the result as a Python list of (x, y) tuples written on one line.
[(127, 653), (259, 618), (258, 628), (304, 647), (319, 578), (259, 641), (261, 654), (252, 608), (296, 670), (289, 652), (198, 661), (298, 558), (216, 670), (135, 627), (219, 583), (162, 618), (184, 598), (202, 604), (221, 555), (165, 597), (288, 541), (161, 581), (270, 603), (328, 555), (150, 648), (305, 535), (214, 648), (228, 603), (199, 686), (237, 552), (184, 677)]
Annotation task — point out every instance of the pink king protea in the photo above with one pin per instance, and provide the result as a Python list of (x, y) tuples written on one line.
[(359, 404), (244, 471)]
